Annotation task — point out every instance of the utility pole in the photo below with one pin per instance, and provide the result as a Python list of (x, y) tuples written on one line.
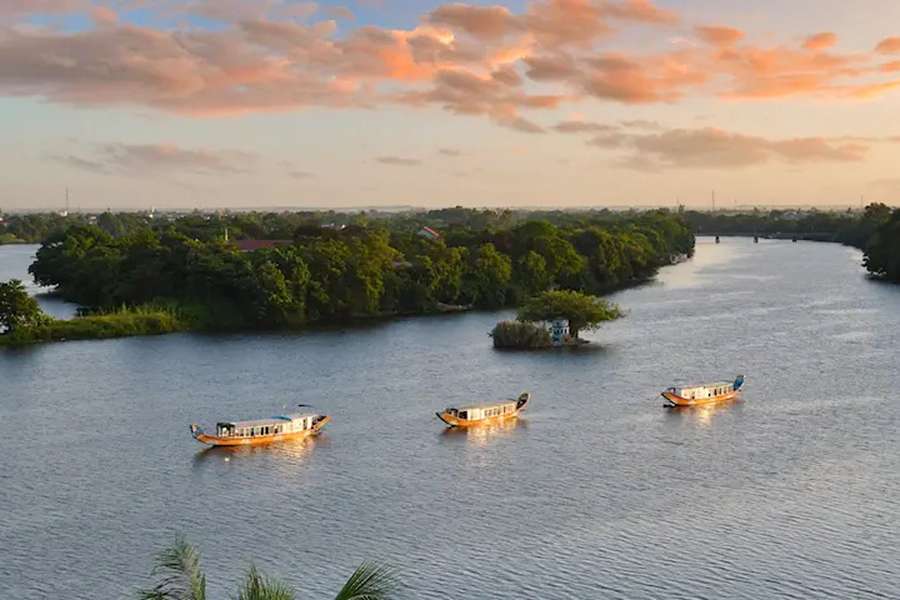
[(714, 200)]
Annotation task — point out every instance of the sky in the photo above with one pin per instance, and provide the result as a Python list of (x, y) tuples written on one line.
[(133, 104)]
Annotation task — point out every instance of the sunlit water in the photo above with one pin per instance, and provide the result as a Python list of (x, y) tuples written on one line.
[(598, 493)]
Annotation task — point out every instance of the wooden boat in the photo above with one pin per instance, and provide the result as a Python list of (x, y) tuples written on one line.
[(262, 431), (468, 416), (710, 393)]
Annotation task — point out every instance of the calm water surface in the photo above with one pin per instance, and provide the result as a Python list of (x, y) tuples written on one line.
[(598, 493)]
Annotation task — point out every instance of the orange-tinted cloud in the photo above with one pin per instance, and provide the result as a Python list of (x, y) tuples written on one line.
[(719, 35), (711, 148), (820, 41), (144, 159), (475, 60), (889, 45)]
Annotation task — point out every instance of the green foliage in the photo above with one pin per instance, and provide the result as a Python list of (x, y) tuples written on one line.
[(178, 576), (257, 586), (17, 309), (339, 267), (581, 310), (369, 582), (883, 252), (487, 277), (520, 334), (124, 322)]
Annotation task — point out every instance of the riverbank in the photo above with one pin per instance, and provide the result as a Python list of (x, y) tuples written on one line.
[(123, 323)]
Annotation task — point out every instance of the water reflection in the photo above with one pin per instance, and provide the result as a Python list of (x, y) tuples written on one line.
[(703, 415), (286, 452), (481, 435)]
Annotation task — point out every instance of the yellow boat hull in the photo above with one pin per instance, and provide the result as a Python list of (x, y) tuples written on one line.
[(676, 400), (261, 440), (453, 421)]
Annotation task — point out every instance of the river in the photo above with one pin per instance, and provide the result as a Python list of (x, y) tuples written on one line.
[(598, 492)]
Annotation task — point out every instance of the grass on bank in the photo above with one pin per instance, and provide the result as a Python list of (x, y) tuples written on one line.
[(124, 322)]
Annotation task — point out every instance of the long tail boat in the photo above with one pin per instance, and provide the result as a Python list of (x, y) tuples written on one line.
[(709, 393), (469, 416), (262, 431)]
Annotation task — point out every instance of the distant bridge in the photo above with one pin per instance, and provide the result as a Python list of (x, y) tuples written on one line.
[(815, 236)]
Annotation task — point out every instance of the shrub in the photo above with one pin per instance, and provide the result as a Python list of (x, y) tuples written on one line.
[(516, 334)]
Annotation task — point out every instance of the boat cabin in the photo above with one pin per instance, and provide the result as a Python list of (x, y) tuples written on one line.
[(478, 413), (704, 392), (266, 427)]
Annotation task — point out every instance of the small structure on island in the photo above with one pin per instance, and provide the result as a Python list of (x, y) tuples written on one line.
[(559, 332), (428, 233)]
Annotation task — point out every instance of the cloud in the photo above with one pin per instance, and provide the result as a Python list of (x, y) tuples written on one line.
[(282, 55), (452, 152), (582, 127), (719, 35), (889, 45), (300, 175), (820, 41), (144, 159), (399, 161), (712, 148)]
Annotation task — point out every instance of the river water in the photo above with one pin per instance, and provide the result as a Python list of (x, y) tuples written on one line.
[(598, 492)]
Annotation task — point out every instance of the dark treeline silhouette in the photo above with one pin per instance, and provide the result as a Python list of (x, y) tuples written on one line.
[(337, 267), (883, 249)]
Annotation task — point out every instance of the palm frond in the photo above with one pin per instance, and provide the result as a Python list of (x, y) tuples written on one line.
[(369, 582), (178, 574), (257, 586)]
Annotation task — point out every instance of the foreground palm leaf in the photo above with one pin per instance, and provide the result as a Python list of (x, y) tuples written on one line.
[(368, 582), (178, 573), (257, 586)]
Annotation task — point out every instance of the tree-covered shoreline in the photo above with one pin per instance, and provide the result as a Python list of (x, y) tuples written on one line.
[(326, 274)]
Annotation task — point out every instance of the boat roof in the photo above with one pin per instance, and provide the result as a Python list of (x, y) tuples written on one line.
[(270, 421), (488, 405), (703, 385)]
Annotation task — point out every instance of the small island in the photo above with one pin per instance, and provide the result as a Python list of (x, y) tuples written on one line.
[(554, 319)]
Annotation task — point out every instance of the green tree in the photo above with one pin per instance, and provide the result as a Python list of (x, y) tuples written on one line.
[(883, 252), (581, 310), (17, 308), (532, 273), (487, 278), (179, 576)]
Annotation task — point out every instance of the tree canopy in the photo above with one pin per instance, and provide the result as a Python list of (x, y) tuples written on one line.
[(883, 252), (354, 266), (17, 308), (581, 310)]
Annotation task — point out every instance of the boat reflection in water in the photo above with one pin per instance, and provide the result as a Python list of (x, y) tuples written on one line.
[(484, 433), (289, 452), (703, 414)]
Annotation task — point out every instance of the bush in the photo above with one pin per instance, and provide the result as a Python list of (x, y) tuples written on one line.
[(516, 334), (121, 323)]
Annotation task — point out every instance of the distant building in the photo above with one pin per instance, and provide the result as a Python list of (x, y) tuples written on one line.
[(559, 331), (254, 245), (428, 232)]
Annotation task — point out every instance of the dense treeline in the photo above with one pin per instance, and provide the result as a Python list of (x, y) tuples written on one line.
[(368, 267), (883, 250)]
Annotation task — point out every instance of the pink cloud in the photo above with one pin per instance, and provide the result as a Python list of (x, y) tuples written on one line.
[(276, 55), (820, 41), (889, 45), (712, 148)]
